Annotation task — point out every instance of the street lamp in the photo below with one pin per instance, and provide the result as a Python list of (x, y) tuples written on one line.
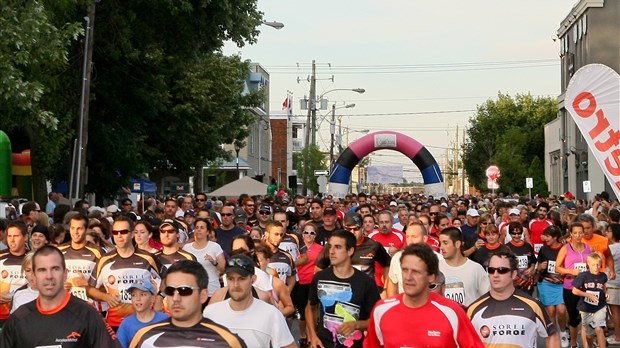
[(313, 104), (332, 131), (274, 24), (237, 149)]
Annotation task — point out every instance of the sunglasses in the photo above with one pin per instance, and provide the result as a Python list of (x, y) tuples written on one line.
[(183, 290), (264, 212), (170, 230), (516, 233), (200, 199), (500, 270), (226, 214), (352, 228), (124, 204), (117, 232), (433, 286), (239, 263), (310, 232), (433, 213), (484, 223), (418, 210), (250, 205)]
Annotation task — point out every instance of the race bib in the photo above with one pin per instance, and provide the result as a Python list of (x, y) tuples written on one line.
[(522, 262), (587, 299), (551, 267), (581, 266), (125, 295), (79, 292), (358, 267), (537, 248), (455, 292)]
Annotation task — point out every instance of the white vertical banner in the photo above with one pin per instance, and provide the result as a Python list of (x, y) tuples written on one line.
[(593, 100)]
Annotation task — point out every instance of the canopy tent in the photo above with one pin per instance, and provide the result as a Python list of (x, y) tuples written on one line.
[(243, 185), (143, 185)]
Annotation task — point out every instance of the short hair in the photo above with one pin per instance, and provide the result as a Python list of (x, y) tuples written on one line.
[(263, 249), (27, 259), (271, 224), (573, 225), (453, 233), (145, 223), (615, 231), (365, 205), (439, 217), (206, 221), (191, 267), (388, 213), (349, 238), (19, 225), (80, 217), (418, 224), (126, 219), (247, 200), (425, 253), (596, 257), (3, 224), (614, 215), (311, 224), (317, 201), (585, 218), (247, 239), (542, 205), (28, 207), (48, 250), (553, 231), (514, 225), (512, 259)]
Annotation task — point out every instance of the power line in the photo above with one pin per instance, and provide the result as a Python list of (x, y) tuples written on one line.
[(407, 113)]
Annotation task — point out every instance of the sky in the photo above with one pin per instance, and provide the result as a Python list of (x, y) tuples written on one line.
[(425, 65)]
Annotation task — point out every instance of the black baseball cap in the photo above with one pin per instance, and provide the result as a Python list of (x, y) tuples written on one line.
[(240, 264), (329, 211)]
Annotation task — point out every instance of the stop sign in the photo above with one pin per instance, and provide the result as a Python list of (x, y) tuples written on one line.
[(493, 173)]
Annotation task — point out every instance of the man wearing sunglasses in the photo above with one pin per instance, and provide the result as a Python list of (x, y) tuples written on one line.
[(171, 253), (227, 230), (506, 316), (263, 216), (419, 317), (300, 213), (116, 271), (186, 291), (240, 311)]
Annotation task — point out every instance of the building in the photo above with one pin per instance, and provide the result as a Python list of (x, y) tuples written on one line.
[(588, 34)]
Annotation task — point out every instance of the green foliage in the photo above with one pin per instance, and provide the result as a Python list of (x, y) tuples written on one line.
[(308, 160), (509, 133)]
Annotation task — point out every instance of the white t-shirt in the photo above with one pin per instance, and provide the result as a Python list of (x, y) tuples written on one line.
[(614, 249), (396, 273), (261, 325), (214, 250), (464, 284), (22, 297)]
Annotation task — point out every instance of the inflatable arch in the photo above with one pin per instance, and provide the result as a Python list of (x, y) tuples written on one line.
[(386, 140)]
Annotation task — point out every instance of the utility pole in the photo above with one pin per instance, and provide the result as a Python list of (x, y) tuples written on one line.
[(332, 131), (310, 125), (80, 167)]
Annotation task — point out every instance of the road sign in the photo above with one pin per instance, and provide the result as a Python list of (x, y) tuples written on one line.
[(529, 183), (321, 172), (587, 187), (493, 174), (322, 181)]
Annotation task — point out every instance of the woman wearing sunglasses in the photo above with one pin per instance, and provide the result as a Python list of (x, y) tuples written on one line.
[(525, 257), (477, 241), (570, 262)]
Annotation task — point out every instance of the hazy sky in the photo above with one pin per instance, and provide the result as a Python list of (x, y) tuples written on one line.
[(425, 65)]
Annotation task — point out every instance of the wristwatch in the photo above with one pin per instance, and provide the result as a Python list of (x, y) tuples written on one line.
[(162, 294)]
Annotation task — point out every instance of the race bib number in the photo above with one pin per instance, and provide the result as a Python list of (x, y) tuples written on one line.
[(358, 267), (79, 292), (581, 266), (125, 295), (588, 300), (455, 292), (537, 248), (551, 267), (522, 262)]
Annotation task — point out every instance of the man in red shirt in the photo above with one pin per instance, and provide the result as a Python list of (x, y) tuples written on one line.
[(395, 321), (391, 238), (538, 225)]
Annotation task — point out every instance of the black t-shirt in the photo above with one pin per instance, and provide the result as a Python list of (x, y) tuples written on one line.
[(365, 257), (74, 324), (471, 240), (550, 255), (322, 235), (341, 300), (482, 255), (525, 254), (225, 237), (591, 283), (293, 219)]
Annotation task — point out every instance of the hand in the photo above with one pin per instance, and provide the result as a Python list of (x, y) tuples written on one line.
[(612, 275), (607, 297), (392, 250), (542, 266), (315, 342), (210, 259), (159, 304), (112, 300), (592, 298), (80, 281), (479, 243), (5, 298), (346, 328)]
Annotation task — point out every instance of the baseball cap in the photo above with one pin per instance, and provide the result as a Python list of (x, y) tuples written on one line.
[(112, 209), (393, 204), (167, 222), (41, 229), (569, 195), (514, 211), (190, 213), (444, 204), (240, 264), (329, 211), (473, 212), (144, 286), (240, 215), (264, 207), (351, 219)]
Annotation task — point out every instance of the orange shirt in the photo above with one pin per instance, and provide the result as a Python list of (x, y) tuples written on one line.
[(599, 244)]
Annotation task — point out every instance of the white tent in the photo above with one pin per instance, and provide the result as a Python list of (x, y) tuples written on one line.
[(243, 185)]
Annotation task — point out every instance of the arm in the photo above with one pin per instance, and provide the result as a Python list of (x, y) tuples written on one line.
[(347, 328), (579, 292), (391, 288), (218, 295), (159, 301), (302, 259), (290, 283), (311, 311), (609, 260), (553, 341), (99, 295), (221, 263), (285, 306)]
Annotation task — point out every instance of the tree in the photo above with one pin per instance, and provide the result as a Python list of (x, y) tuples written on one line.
[(509, 133), (308, 160)]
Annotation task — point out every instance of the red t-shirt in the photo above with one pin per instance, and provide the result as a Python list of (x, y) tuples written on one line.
[(306, 272), (444, 325), (536, 231)]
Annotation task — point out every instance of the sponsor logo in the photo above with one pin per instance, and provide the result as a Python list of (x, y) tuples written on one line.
[(433, 333), (485, 331), (74, 334), (5, 274), (111, 279)]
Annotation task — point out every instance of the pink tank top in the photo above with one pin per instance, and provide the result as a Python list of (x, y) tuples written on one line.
[(573, 259)]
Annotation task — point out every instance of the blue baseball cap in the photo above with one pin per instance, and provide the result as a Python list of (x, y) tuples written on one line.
[(144, 286)]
